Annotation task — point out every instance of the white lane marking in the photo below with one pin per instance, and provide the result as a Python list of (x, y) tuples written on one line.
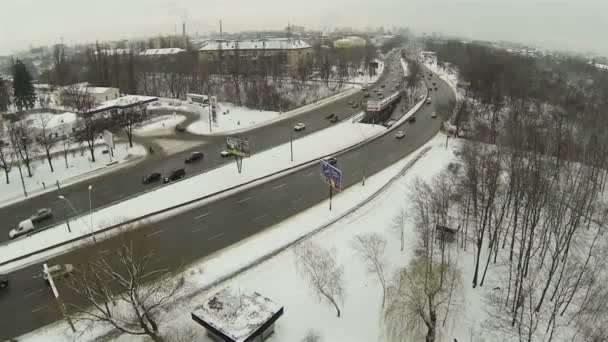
[(259, 217), (119, 195), (155, 233), (40, 308), (215, 236), (279, 186), (32, 293), (309, 174), (244, 200), (203, 215), (199, 229), (298, 199)]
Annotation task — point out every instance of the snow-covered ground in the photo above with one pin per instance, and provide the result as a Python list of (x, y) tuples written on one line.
[(270, 264), (79, 168), (308, 148), (230, 117), (162, 124)]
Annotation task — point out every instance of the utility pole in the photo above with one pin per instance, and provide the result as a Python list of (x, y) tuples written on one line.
[(59, 301)]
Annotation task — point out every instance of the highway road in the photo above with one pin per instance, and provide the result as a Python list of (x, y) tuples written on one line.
[(192, 235), (117, 185)]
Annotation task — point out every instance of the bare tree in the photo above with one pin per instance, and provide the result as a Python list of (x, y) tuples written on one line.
[(123, 291), (45, 137), (6, 164), (416, 297), (371, 247), (321, 269), (22, 141)]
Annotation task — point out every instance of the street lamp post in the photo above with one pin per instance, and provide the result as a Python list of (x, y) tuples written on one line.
[(91, 211), (61, 197), (291, 144)]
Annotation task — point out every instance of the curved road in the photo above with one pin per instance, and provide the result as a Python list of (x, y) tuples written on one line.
[(124, 182), (204, 230)]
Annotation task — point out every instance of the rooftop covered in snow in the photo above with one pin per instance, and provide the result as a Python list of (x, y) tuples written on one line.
[(234, 316), (159, 52), (256, 44), (124, 102)]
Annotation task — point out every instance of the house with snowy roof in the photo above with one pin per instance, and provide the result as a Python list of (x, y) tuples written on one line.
[(290, 51)]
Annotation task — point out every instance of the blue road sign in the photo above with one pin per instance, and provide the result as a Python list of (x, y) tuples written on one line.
[(331, 175)]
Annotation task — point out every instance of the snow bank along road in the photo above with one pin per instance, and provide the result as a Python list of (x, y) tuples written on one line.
[(111, 187), (201, 231)]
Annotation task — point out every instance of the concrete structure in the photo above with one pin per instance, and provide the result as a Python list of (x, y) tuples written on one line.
[(350, 42), (290, 50), (233, 316)]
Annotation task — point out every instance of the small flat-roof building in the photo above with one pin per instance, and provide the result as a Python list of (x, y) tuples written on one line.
[(233, 316)]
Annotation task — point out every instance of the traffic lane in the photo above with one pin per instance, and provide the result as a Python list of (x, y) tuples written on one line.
[(126, 182), (201, 231)]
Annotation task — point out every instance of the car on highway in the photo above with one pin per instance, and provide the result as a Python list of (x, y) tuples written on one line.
[(366, 95), (24, 227), (399, 135), (151, 178), (58, 272), (428, 100), (355, 105), (3, 281), (331, 161), (299, 127), (411, 119), (350, 103), (382, 86), (180, 128), (435, 88), (175, 175), (434, 115), (329, 116), (430, 89), (41, 215), (225, 154), (194, 157)]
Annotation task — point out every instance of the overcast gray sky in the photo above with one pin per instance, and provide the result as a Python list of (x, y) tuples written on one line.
[(568, 24)]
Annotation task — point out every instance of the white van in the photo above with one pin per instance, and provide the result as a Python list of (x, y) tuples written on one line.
[(24, 227)]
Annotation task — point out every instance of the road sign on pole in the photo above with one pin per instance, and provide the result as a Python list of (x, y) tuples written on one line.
[(333, 177)]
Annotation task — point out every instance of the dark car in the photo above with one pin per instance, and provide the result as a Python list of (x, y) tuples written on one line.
[(151, 178), (412, 119), (333, 119), (175, 175), (194, 157), (3, 281), (41, 215), (180, 128), (328, 117), (331, 161)]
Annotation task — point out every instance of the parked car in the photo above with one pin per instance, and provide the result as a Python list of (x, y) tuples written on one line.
[(334, 119), (175, 175), (194, 157), (151, 178), (180, 128), (399, 135), (3, 281), (225, 154), (41, 215), (299, 127), (24, 227), (58, 271), (331, 161), (434, 115)]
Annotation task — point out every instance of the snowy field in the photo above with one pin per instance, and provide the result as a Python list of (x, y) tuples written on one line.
[(271, 272), (306, 149), (162, 124), (79, 167), (230, 118)]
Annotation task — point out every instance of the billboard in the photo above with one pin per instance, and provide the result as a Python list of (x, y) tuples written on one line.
[(108, 138), (331, 175), (238, 147)]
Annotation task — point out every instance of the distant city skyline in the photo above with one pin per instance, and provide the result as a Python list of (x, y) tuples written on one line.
[(556, 24)]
